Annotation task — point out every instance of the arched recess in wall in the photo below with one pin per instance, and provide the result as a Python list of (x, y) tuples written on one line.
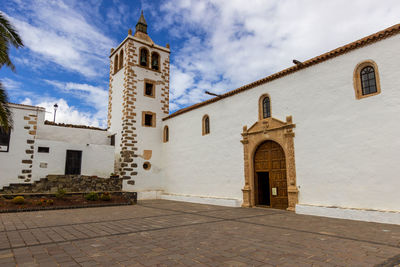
[(166, 134), (121, 59), (155, 61), (366, 79), (116, 63), (144, 57), (264, 107), (205, 125)]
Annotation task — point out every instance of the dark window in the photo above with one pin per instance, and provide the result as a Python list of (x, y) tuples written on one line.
[(43, 149), (143, 57), (368, 81), (112, 137), (207, 125), (4, 140), (115, 63), (121, 59), (148, 119), (266, 105), (149, 89), (166, 134), (155, 61)]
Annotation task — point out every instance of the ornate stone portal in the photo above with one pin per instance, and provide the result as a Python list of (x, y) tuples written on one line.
[(281, 133)]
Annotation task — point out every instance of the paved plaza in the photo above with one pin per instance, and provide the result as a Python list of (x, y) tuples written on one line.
[(168, 233)]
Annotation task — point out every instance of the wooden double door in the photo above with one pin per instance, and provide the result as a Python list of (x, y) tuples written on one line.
[(270, 181)]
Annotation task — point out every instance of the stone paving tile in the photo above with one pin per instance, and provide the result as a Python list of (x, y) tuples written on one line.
[(180, 206), (374, 232), (168, 233)]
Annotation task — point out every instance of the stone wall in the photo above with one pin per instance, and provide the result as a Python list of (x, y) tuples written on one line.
[(70, 183)]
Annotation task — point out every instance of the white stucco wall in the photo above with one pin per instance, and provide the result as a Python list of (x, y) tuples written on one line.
[(115, 126), (347, 150), (97, 160), (97, 153), (11, 165), (149, 138), (73, 135)]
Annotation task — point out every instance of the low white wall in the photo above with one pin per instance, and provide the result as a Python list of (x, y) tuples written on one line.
[(228, 202), (73, 135), (379, 216), (149, 194), (97, 160)]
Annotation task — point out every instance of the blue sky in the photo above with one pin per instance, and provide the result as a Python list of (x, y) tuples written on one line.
[(215, 45)]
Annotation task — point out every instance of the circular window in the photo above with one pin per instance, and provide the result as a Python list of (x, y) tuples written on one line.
[(146, 165)]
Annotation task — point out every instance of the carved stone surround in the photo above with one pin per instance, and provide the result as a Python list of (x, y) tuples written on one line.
[(280, 132)]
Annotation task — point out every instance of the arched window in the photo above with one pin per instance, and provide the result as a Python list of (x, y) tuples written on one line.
[(155, 61), (264, 107), (206, 125), (166, 134), (116, 63), (144, 57), (366, 79), (121, 59)]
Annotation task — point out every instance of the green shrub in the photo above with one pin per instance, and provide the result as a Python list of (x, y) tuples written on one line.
[(18, 200), (92, 196), (60, 193), (105, 196), (49, 202)]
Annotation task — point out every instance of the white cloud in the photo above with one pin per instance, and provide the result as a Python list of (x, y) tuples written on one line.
[(117, 14), (89, 94), (229, 43), (66, 113), (92, 108), (10, 84), (60, 34)]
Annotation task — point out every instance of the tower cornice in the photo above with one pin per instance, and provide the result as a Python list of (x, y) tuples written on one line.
[(152, 45)]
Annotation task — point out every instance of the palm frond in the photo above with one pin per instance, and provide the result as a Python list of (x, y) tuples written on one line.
[(8, 32), (5, 112), (4, 58)]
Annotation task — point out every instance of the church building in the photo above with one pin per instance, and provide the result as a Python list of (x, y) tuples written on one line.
[(318, 138)]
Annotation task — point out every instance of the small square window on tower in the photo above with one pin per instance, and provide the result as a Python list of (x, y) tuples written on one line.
[(148, 119), (149, 88)]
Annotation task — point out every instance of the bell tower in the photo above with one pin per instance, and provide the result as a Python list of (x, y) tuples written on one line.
[(138, 100)]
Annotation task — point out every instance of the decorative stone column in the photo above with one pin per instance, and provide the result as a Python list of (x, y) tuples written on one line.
[(246, 190), (291, 167)]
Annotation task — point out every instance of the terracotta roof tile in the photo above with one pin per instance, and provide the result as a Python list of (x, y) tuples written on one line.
[(395, 29), (73, 126)]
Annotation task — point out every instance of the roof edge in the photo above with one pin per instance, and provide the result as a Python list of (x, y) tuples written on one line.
[(375, 37), (66, 125), (30, 107)]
